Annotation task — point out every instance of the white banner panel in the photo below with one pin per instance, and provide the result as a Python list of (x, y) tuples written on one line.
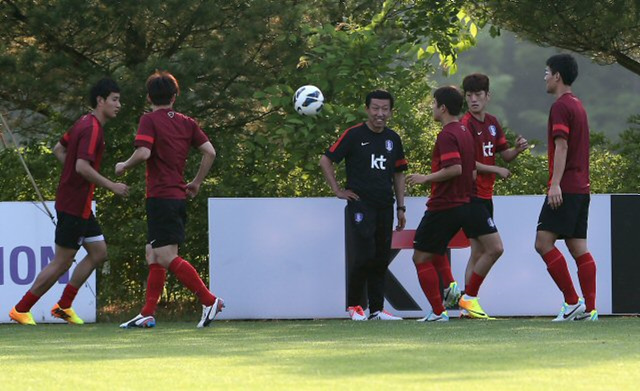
[(26, 247), (285, 258)]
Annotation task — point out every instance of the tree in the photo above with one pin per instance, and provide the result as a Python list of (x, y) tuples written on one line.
[(603, 30), (238, 63)]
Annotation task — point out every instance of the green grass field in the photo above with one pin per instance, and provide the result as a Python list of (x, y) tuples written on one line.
[(506, 354)]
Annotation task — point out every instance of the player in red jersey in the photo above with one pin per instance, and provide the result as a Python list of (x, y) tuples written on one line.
[(565, 212), (163, 140), (449, 207), (489, 141), (80, 151)]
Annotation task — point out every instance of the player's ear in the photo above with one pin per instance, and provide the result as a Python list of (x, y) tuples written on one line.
[(149, 99)]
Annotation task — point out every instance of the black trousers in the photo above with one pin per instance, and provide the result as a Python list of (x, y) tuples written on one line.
[(368, 231)]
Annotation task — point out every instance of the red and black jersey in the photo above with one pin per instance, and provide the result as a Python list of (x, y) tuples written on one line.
[(489, 140), (84, 140), (169, 135), (454, 145), (371, 160), (568, 120)]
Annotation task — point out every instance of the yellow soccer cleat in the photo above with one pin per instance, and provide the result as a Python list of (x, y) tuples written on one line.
[(68, 315), (22, 317), (473, 308)]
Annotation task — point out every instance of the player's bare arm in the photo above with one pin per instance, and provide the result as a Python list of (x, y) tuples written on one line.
[(398, 188), (140, 155), (60, 152), (84, 168), (330, 176), (559, 164), (208, 156), (439, 176), (490, 169)]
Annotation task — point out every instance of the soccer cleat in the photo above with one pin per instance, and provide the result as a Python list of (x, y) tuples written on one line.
[(142, 322), (588, 316), (473, 308), (68, 315), (22, 317), (570, 311), (451, 295), (443, 317), (209, 312), (383, 315), (356, 313)]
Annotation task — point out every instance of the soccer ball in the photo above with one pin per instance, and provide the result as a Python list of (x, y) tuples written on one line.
[(308, 100)]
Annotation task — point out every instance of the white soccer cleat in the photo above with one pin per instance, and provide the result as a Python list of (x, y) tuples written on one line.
[(356, 313), (571, 311), (383, 315), (432, 317), (209, 312), (142, 322)]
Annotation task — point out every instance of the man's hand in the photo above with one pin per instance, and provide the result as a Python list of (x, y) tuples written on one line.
[(193, 189), (120, 168), (402, 221), (554, 196), (416, 179), (347, 195), (521, 144), (120, 189), (503, 172)]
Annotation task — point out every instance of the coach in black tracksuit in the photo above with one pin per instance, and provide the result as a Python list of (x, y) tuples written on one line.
[(375, 164)]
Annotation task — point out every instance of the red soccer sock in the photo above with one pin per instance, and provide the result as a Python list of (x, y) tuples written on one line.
[(557, 268), (68, 295), (27, 301), (430, 284), (587, 277), (189, 277), (474, 285), (155, 286), (442, 265)]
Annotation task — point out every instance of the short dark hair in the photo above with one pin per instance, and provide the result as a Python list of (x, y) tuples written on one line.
[(476, 82), (162, 86), (451, 97), (566, 65), (379, 94), (103, 88)]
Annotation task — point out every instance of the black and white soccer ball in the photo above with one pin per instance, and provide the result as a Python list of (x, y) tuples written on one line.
[(308, 100)]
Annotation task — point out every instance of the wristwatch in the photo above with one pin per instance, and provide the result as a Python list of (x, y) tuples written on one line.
[(402, 208)]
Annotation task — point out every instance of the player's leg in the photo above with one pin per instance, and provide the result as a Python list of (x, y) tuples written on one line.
[(480, 226), (61, 262), (434, 232), (93, 242), (577, 246), (552, 225), (377, 269), (477, 250), (155, 285), (69, 231)]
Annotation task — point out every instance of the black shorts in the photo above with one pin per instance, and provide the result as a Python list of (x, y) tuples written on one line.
[(437, 228), (488, 203), (166, 219), (570, 220), (480, 219), (73, 231)]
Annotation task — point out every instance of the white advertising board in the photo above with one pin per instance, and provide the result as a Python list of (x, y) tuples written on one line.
[(284, 258), (26, 247)]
